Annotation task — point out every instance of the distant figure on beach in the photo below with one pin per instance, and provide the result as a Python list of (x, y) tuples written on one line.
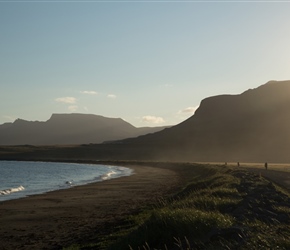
[(266, 165), (238, 164)]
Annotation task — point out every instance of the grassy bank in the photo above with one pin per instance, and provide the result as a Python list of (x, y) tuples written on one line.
[(218, 207)]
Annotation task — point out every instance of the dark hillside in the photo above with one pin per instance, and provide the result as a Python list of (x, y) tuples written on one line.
[(254, 125), (67, 129), (250, 127)]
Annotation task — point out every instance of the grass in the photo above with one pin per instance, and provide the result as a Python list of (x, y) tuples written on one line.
[(190, 214), (265, 236), (201, 216)]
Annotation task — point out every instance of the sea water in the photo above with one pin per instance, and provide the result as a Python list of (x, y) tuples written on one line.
[(20, 179)]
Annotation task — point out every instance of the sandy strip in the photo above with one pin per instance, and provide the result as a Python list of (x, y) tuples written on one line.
[(61, 218)]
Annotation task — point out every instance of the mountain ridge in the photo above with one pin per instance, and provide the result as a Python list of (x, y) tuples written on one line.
[(247, 126), (72, 128), (253, 126)]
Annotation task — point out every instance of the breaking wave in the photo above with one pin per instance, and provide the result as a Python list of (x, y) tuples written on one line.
[(43, 177), (108, 176), (11, 190)]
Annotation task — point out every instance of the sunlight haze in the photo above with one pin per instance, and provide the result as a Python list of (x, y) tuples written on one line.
[(149, 63)]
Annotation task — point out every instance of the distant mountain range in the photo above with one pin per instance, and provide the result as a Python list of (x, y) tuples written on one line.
[(69, 129), (253, 126)]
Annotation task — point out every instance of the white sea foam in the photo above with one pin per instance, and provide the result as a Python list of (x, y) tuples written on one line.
[(11, 190), (108, 176), (42, 177)]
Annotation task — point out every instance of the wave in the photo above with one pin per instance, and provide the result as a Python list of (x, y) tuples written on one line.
[(11, 190), (108, 176)]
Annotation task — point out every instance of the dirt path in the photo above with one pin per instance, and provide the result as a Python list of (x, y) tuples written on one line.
[(282, 178)]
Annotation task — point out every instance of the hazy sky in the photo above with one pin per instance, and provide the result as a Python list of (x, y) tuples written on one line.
[(148, 62)]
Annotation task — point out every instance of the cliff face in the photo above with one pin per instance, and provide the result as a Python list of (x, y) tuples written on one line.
[(252, 126), (69, 129)]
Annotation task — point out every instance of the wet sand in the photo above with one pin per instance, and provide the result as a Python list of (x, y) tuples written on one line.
[(64, 217)]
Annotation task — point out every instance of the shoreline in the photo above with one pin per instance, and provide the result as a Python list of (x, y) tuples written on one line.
[(9, 194), (93, 212), (82, 213)]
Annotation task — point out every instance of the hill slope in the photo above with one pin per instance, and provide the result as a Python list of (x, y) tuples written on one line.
[(69, 129), (252, 126)]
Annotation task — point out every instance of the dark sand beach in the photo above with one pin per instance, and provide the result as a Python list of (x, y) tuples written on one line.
[(62, 218), (85, 214)]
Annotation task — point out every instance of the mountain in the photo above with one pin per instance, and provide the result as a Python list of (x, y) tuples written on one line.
[(69, 129), (252, 126)]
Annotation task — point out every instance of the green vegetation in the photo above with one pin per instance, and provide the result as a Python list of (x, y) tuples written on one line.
[(219, 208)]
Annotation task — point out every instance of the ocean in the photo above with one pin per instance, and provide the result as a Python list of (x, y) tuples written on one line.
[(20, 179)]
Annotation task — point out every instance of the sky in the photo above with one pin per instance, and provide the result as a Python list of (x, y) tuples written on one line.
[(148, 62)]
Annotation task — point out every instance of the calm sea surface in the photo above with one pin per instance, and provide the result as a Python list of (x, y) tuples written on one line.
[(20, 179)]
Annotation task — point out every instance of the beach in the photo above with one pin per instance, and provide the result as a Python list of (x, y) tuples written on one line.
[(86, 214), (77, 215)]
